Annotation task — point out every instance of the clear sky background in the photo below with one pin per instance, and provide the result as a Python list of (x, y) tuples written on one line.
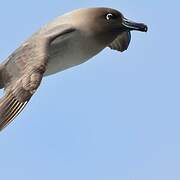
[(116, 117)]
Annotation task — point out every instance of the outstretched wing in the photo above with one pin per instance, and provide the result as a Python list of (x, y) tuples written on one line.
[(122, 41), (22, 74), (23, 71)]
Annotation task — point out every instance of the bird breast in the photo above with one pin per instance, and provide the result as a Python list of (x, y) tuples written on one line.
[(70, 51)]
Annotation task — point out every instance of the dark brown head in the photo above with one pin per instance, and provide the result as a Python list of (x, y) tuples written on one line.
[(105, 25)]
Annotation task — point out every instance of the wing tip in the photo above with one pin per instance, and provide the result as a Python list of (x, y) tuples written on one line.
[(10, 108)]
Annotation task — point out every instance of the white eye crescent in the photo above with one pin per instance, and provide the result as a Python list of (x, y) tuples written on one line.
[(109, 16)]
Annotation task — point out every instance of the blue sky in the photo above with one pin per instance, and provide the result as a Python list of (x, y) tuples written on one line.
[(115, 117)]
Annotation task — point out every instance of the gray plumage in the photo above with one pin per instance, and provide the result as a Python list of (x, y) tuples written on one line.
[(67, 41)]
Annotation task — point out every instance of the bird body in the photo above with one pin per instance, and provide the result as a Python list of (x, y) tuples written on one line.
[(60, 57), (67, 41)]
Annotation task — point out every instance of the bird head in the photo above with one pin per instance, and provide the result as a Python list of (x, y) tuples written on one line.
[(107, 26)]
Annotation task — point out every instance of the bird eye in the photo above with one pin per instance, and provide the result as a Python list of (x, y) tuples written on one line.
[(110, 16)]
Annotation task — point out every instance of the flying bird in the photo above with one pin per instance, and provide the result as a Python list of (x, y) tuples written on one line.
[(67, 41)]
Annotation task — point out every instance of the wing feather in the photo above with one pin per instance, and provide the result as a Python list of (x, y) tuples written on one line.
[(9, 109), (23, 72), (25, 68)]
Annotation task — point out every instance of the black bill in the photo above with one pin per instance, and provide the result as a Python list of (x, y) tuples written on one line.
[(130, 25)]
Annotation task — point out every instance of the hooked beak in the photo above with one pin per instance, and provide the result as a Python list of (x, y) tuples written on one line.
[(130, 25)]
